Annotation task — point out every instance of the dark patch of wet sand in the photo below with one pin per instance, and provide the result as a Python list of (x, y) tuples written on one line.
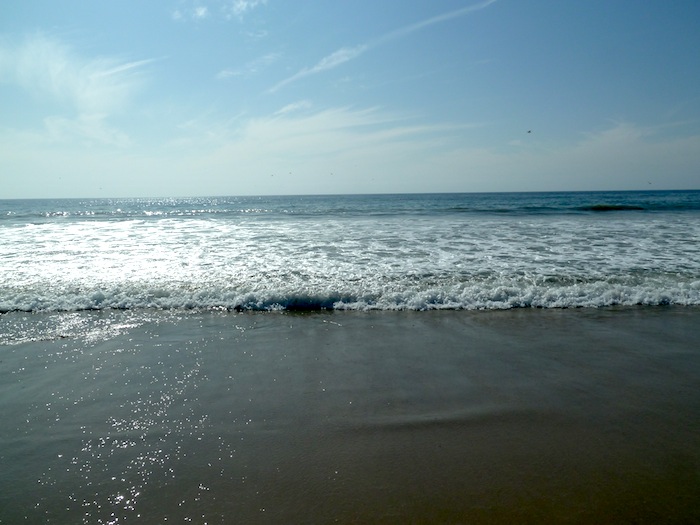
[(522, 416)]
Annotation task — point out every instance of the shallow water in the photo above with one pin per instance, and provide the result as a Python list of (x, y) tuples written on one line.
[(580, 416)]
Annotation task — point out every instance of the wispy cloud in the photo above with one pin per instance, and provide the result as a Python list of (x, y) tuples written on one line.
[(250, 68), (344, 150), (86, 129), (89, 90), (238, 8), (228, 73), (346, 54), (335, 59), (200, 12), (48, 67), (121, 68), (190, 9), (291, 108), (412, 28)]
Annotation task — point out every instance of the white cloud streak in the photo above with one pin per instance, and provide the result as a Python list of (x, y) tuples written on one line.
[(196, 10), (238, 8), (346, 54), (412, 28), (296, 106), (251, 68), (331, 61), (89, 89), (121, 68)]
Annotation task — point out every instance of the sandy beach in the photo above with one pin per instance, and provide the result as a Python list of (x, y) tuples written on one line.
[(519, 416)]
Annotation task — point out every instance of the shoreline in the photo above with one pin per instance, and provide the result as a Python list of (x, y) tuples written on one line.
[(512, 416)]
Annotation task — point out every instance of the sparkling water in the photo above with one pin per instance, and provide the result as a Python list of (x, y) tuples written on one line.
[(386, 252)]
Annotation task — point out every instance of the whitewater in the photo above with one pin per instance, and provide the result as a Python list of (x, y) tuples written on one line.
[(463, 358), (371, 252)]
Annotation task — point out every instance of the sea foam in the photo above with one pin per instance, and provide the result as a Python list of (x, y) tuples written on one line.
[(353, 253)]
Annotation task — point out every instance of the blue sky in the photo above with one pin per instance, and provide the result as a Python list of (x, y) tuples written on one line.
[(241, 97)]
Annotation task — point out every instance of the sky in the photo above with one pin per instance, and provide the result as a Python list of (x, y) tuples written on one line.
[(278, 97)]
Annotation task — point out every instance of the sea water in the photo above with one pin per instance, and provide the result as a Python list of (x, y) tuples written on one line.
[(477, 358), (373, 252)]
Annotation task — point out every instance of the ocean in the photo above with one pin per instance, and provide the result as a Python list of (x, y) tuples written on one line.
[(374, 252), (422, 358)]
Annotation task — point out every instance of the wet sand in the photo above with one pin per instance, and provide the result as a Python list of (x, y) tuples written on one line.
[(521, 416)]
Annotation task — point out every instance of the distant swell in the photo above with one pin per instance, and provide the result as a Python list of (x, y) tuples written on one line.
[(611, 207)]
